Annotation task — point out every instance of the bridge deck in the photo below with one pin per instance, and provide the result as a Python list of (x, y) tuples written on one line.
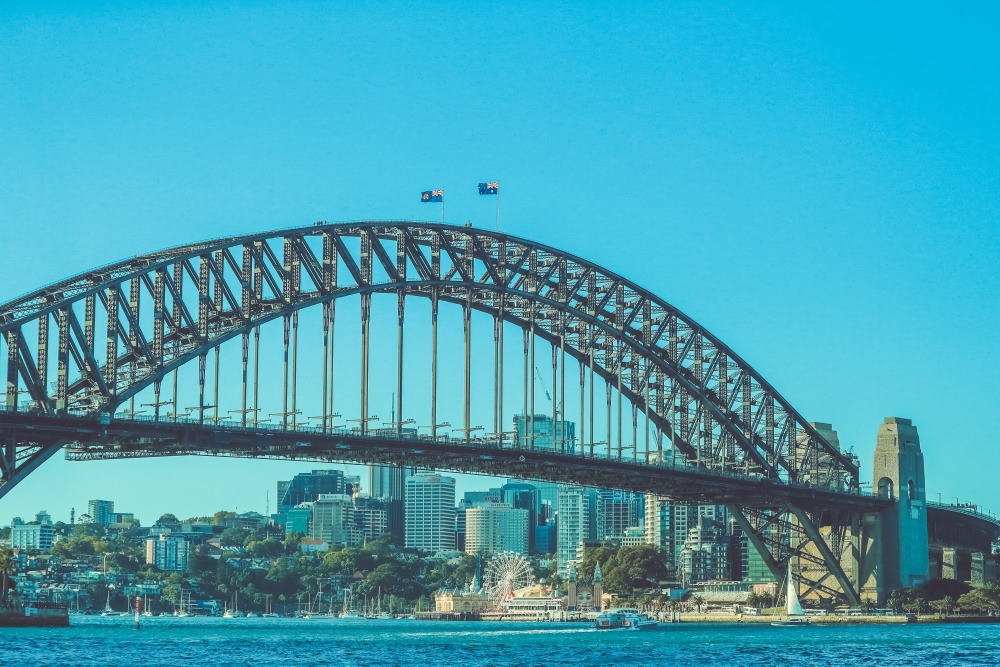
[(87, 438)]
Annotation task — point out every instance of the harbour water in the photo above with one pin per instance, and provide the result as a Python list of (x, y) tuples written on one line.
[(253, 641)]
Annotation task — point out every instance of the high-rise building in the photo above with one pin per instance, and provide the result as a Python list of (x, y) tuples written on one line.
[(299, 519), (38, 534), (704, 555), (545, 537), (100, 511), (333, 520), (574, 509), (668, 524), (307, 486), (616, 511), (536, 432), (471, 499), (371, 517), (524, 496), (745, 562), (495, 528), (430, 512), (168, 552)]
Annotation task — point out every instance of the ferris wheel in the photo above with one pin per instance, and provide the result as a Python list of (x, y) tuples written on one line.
[(505, 573)]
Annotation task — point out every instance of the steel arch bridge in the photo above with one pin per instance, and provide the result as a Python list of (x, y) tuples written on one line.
[(81, 351)]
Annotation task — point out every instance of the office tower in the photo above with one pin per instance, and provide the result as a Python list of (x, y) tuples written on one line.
[(495, 528), (306, 486), (100, 511), (471, 499), (371, 517), (545, 537), (524, 496), (299, 519), (333, 520), (430, 512), (616, 511)]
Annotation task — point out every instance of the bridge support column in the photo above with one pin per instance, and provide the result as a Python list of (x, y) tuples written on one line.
[(832, 562), (949, 563)]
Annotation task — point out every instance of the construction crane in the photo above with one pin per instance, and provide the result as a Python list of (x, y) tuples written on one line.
[(544, 388)]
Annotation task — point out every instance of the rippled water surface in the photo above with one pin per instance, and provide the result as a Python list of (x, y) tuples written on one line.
[(253, 641)]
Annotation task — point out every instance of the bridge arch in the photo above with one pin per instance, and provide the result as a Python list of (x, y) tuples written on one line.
[(702, 397)]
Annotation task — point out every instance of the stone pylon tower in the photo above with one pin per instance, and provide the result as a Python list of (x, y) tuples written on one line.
[(898, 473)]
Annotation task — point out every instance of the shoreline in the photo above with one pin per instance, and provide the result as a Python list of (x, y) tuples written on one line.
[(734, 619)]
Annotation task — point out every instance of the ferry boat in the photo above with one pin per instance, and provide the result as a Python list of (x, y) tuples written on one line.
[(33, 614), (623, 617)]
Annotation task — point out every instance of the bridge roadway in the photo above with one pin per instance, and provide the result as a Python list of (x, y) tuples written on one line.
[(87, 438)]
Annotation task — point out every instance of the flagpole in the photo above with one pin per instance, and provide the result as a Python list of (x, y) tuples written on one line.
[(442, 209), (498, 209)]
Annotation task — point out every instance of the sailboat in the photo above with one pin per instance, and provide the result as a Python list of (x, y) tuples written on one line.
[(108, 611), (793, 608), (378, 607)]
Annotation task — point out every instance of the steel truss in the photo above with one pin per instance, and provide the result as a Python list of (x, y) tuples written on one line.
[(128, 326)]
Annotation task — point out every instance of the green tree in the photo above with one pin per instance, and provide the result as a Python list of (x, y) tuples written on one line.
[(220, 517), (348, 560), (605, 555), (639, 567), (233, 537), (6, 571), (392, 578), (267, 548)]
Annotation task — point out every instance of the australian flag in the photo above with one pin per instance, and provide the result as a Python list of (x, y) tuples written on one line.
[(432, 195), (489, 188)]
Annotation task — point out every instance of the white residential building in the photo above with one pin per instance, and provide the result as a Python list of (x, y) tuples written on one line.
[(168, 552), (573, 512), (38, 534), (494, 528), (100, 511), (430, 512)]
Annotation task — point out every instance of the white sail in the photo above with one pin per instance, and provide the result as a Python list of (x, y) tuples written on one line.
[(792, 606)]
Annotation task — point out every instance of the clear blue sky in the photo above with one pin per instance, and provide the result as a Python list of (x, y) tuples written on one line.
[(816, 185)]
